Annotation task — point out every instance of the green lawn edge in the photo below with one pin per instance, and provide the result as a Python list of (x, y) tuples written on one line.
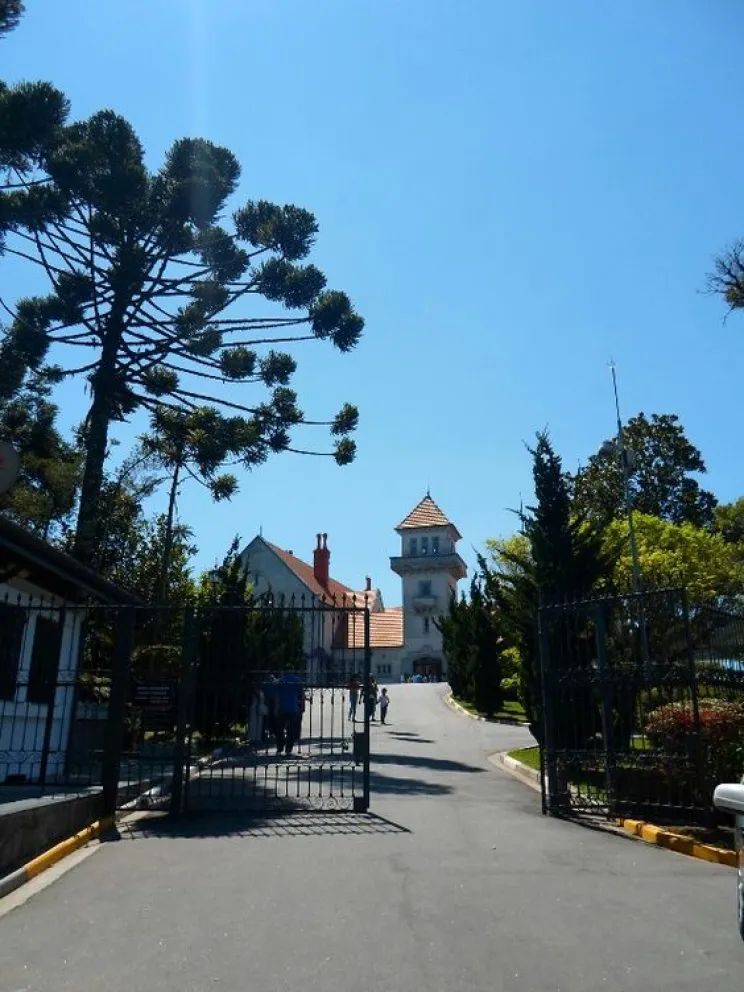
[(512, 711), (529, 756)]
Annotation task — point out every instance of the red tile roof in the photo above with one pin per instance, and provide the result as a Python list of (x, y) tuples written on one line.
[(385, 630), (306, 575), (425, 514)]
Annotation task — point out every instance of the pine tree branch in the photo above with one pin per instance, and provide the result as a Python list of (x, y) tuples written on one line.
[(315, 454), (179, 393), (26, 183)]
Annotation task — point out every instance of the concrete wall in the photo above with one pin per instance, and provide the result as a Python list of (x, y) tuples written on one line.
[(29, 828)]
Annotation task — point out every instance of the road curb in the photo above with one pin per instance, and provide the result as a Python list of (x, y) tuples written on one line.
[(450, 701), (516, 769), (453, 704), (34, 868), (651, 834)]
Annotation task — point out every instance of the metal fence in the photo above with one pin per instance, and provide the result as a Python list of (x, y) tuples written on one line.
[(642, 706), (189, 708)]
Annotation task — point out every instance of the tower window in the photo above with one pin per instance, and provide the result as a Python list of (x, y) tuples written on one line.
[(425, 588), (435, 545), (412, 547), (424, 545), (426, 625)]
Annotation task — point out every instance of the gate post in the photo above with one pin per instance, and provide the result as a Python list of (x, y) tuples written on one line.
[(553, 797), (361, 803), (188, 653), (600, 634), (117, 708), (700, 755)]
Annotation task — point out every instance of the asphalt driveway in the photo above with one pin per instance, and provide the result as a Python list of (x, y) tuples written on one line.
[(456, 881)]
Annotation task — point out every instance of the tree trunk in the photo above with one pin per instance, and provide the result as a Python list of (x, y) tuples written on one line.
[(99, 418), (96, 444), (161, 597)]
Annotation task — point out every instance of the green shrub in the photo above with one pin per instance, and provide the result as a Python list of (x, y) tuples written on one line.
[(719, 746)]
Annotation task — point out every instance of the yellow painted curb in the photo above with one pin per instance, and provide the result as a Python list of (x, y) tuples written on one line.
[(65, 847), (677, 842)]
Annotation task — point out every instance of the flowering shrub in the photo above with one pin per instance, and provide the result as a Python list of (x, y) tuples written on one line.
[(720, 746)]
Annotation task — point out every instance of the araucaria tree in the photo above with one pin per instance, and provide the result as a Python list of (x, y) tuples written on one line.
[(151, 292)]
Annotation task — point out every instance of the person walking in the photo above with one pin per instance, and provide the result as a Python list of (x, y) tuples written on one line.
[(384, 703), (271, 702), (291, 704), (256, 715), (353, 697), (370, 697)]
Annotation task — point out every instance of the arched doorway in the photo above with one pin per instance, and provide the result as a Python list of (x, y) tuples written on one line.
[(428, 667)]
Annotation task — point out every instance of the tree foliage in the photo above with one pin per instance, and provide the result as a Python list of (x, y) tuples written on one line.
[(241, 639), (728, 521), (11, 12), (727, 278), (661, 482), (559, 555), (44, 495), (473, 645), (153, 292), (678, 556)]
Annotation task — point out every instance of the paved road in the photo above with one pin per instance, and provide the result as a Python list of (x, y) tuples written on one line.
[(458, 883)]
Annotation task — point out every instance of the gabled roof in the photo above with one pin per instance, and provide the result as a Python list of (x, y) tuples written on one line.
[(425, 514), (24, 554), (306, 575), (385, 630)]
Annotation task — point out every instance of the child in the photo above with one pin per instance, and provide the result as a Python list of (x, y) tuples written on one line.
[(384, 703)]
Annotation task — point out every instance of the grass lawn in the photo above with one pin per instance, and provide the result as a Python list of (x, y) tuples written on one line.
[(529, 756), (512, 711)]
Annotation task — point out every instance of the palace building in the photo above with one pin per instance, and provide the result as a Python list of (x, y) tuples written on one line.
[(404, 640)]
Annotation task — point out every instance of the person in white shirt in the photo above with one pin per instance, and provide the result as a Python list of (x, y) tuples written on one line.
[(384, 703)]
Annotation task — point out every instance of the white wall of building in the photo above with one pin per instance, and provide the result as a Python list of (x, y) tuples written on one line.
[(386, 664), (428, 585), (23, 724), (268, 573)]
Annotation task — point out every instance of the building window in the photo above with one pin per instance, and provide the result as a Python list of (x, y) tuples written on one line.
[(384, 669), (425, 588), (12, 624), (426, 625), (435, 545), (42, 676), (412, 547), (424, 545)]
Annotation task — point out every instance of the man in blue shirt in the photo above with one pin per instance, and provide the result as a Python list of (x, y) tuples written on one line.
[(290, 699)]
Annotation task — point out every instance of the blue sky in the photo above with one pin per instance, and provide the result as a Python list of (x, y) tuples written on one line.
[(512, 193)]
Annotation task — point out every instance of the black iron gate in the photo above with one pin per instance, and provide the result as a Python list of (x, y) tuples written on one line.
[(302, 740), (248, 707), (642, 706)]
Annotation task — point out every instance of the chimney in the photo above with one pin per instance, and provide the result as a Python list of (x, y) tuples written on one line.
[(368, 587), (321, 561)]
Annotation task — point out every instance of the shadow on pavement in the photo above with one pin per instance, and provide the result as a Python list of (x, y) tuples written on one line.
[(436, 764), (410, 738), (386, 785), (195, 825)]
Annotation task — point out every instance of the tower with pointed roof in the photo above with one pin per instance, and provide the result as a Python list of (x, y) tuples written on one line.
[(430, 567)]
